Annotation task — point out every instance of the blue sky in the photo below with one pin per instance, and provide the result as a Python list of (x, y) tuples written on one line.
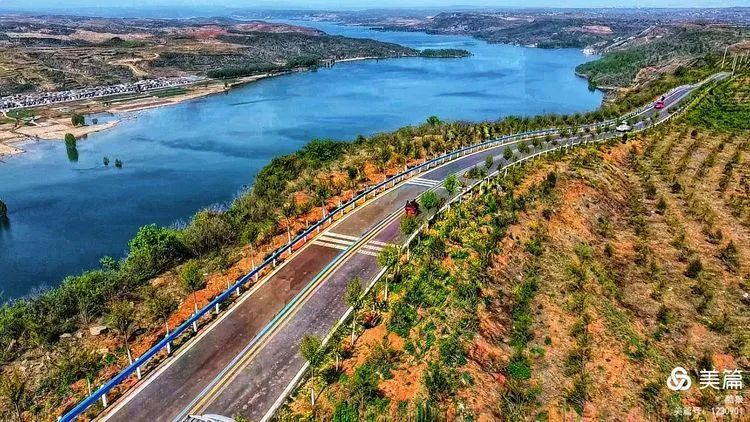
[(363, 4)]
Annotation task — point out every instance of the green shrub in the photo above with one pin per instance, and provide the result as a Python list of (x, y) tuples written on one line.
[(476, 173), (488, 162), (519, 367), (429, 200), (451, 351), (694, 268), (436, 381), (730, 256), (363, 385), (579, 393), (403, 318), (345, 412), (409, 225), (77, 120), (661, 206), (208, 232), (451, 184), (151, 251)]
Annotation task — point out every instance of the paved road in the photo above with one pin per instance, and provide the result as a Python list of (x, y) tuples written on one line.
[(223, 371)]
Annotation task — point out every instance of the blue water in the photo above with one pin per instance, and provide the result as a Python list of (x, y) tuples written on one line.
[(65, 215)]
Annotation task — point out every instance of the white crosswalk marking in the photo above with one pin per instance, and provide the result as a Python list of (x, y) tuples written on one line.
[(328, 239), (329, 245), (335, 240), (342, 236), (422, 182), (343, 242)]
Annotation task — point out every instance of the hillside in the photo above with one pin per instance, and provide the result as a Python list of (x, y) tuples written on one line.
[(540, 27), (60, 53), (572, 286), (662, 50)]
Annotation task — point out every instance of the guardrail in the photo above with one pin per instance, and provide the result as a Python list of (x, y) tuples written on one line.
[(299, 240), (298, 378), (273, 260)]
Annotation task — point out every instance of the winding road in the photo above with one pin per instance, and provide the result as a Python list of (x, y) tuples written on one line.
[(246, 361)]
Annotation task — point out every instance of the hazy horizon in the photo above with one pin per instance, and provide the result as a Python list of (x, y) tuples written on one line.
[(90, 5)]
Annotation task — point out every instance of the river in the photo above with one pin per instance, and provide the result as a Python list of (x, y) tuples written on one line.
[(64, 215)]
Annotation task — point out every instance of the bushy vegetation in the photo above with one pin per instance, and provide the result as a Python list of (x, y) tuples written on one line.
[(253, 218), (444, 53), (433, 308), (727, 108), (682, 43)]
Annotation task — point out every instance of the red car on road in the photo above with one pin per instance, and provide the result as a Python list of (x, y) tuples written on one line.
[(659, 104), (411, 208)]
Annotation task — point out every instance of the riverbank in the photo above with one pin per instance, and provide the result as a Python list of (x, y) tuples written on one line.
[(53, 122), (13, 138)]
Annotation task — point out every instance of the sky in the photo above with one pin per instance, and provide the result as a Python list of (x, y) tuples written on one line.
[(358, 4)]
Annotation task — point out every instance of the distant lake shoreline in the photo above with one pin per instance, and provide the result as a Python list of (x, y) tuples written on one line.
[(64, 215)]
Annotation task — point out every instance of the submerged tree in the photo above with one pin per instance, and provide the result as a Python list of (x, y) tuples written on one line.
[(78, 119), (3, 209), (70, 140)]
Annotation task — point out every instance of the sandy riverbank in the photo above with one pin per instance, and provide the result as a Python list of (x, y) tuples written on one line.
[(44, 128), (13, 138)]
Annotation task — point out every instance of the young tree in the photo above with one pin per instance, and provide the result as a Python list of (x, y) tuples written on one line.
[(161, 304), (507, 153), (121, 318), (311, 348), (353, 298), (488, 161), (451, 184), (288, 211), (322, 193), (390, 257), (192, 280), (429, 200), (409, 224), (13, 391)]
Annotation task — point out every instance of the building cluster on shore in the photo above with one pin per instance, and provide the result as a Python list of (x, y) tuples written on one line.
[(46, 98)]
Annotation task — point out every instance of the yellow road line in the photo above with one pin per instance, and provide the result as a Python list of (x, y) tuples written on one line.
[(230, 376)]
